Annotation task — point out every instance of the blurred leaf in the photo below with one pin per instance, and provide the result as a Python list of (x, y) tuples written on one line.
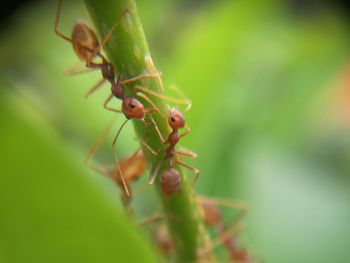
[(50, 211), (254, 72)]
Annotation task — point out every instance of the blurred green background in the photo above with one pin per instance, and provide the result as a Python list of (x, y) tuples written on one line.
[(270, 86)]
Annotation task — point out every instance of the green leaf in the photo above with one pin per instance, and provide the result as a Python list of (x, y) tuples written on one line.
[(50, 210)]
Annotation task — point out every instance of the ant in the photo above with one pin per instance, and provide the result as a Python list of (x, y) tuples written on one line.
[(132, 167), (87, 47), (170, 178), (124, 173), (212, 216), (163, 241)]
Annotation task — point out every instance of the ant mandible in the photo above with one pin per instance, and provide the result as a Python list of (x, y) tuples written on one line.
[(170, 178)]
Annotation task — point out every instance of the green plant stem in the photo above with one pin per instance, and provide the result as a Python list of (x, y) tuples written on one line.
[(128, 51)]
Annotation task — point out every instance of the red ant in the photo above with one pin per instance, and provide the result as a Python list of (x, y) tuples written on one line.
[(87, 46), (170, 178), (212, 216), (163, 240), (127, 171), (132, 167)]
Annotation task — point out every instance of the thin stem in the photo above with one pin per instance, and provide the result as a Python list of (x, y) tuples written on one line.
[(128, 51)]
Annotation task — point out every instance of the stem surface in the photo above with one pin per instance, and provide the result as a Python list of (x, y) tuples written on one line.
[(128, 51)]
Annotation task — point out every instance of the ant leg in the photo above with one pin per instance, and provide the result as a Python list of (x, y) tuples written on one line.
[(187, 153), (74, 70), (155, 173), (93, 65), (105, 105), (232, 226), (225, 237), (181, 95), (226, 233), (125, 186), (57, 21), (149, 148), (243, 210), (132, 167), (163, 97), (156, 217), (146, 145), (225, 202), (158, 131), (93, 149), (187, 131), (154, 106), (151, 68), (63, 36), (94, 88), (109, 34), (194, 170), (152, 219), (142, 76)]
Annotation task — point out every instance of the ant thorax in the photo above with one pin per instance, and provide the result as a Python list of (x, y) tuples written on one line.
[(107, 71), (174, 137), (118, 90), (170, 152)]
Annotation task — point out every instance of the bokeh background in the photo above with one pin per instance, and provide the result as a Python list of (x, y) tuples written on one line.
[(270, 86)]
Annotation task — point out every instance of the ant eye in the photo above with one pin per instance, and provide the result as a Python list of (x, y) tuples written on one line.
[(172, 119), (132, 106)]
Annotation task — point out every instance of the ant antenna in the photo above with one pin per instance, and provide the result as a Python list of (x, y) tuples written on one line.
[(183, 101), (117, 160), (92, 152)]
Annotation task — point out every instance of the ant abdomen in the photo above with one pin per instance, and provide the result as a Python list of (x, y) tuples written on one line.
[(84, 41), (170, 181)]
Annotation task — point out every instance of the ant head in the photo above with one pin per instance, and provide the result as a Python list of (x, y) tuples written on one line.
[(84, 41), (176, 119), (133, 108)]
